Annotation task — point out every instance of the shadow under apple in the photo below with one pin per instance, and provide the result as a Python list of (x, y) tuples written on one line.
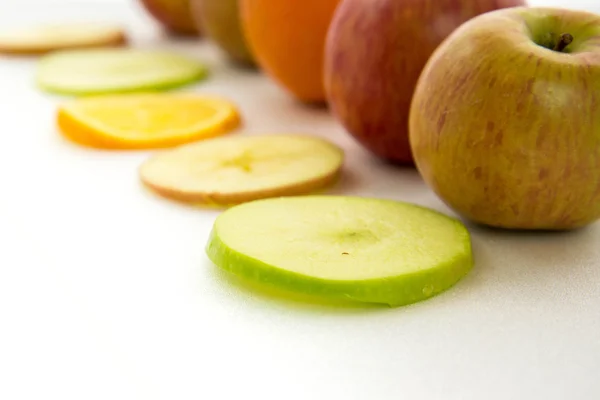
[(531, 264)]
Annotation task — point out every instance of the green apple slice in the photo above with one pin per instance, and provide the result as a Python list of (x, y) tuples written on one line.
[(102, 71), (343, 247)]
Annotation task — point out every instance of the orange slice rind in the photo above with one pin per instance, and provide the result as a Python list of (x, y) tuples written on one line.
[(145, 121)]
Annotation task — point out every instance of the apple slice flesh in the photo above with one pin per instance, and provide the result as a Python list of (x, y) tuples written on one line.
[(46, 38), (236, 169), (343, 247), (105, 71)]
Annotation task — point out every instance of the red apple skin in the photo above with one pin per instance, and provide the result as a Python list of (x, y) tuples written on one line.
[(375, 51), (507, 132), (173, 15)]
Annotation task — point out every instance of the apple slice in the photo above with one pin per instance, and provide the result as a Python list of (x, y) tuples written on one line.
[(235, 169), (42, 39), (353, 248), (104, 71)]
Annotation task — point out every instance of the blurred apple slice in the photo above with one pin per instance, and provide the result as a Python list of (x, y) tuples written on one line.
[(51, 37), (116, 70)]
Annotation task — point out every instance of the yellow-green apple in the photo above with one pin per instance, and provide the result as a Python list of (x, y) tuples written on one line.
[(375, 51), (220, 21), (505, 120), (174, 15)]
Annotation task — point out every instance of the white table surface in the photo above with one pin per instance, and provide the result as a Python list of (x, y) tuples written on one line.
[(106, 293)]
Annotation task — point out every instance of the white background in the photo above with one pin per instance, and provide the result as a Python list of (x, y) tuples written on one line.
[(106, 293)]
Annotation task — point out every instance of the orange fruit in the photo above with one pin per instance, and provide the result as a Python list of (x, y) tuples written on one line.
[(142, 121), (287, 38)]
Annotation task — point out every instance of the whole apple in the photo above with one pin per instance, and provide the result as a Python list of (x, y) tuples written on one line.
[(505, 121), (220, 21), (174, 15), (375, 52)]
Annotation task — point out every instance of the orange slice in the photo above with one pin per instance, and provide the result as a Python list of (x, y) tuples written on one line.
[(34, 40), (144, 121)]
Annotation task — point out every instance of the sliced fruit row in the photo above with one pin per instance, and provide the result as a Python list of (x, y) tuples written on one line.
[(341, 247), (331, 247)]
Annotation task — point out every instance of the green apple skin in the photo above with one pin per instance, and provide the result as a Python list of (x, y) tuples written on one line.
[(506, 131), (220, 21), (375, 52), (174, 15)]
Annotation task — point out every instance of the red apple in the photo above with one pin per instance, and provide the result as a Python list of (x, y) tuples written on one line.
[(375, 52), (174, 15)]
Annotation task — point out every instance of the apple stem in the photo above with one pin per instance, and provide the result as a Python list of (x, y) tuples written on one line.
[(565, 40)]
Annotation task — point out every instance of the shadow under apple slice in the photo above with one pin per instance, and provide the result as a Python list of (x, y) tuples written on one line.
[(267, 293)]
